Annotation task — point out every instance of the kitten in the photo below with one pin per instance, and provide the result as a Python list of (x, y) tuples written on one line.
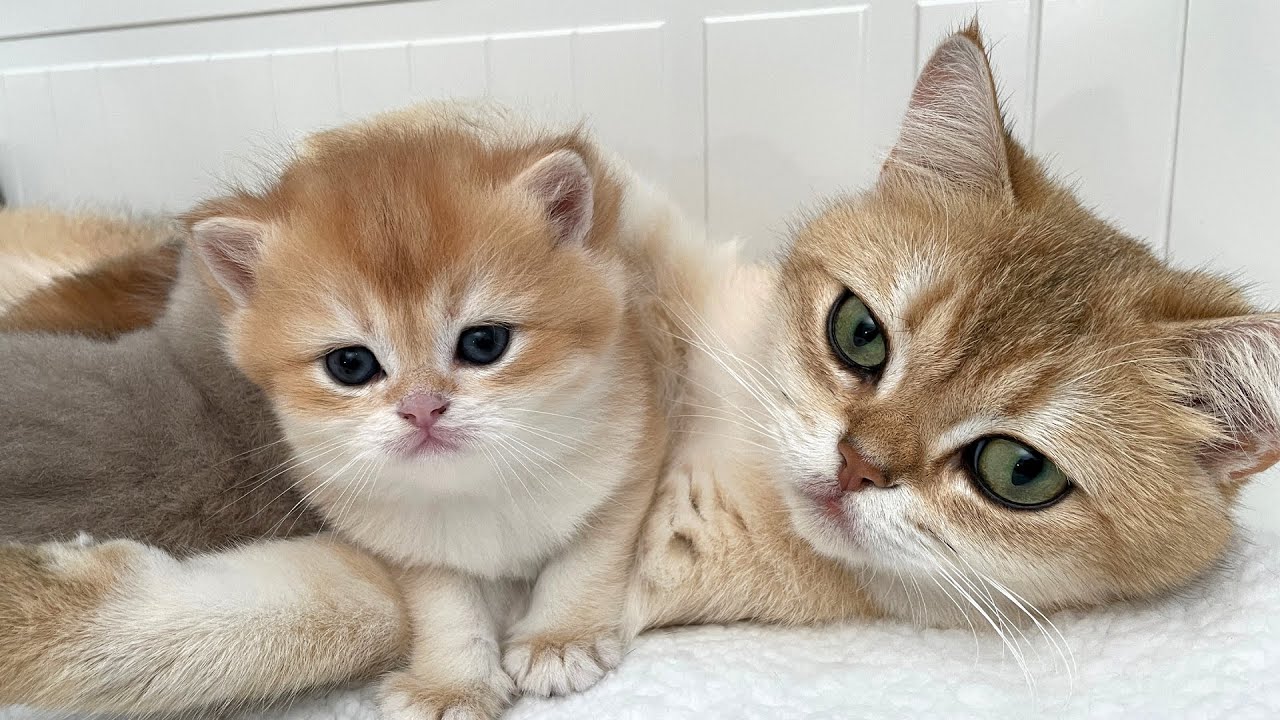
[(456, 323), (961, 375)]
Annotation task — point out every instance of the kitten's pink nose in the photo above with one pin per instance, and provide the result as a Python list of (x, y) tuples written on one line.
[(423, 409), (857, 472)]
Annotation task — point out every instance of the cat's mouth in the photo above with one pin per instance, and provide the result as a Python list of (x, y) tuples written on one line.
[(826, 500)]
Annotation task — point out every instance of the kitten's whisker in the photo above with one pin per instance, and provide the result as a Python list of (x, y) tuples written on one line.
[(325, 483), (277, 472)]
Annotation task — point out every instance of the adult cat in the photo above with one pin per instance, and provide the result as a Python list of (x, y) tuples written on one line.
[(965, 388)]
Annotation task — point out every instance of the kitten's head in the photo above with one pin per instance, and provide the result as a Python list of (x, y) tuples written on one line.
[(414, 292), (984, 379)]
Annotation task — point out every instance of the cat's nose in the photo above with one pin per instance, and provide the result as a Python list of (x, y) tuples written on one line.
[(857, 472), (423, 409)]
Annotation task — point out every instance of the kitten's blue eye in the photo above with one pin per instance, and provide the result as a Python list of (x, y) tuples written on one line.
[(855, 335), (355, 365), (483, 344), (1016, 475)]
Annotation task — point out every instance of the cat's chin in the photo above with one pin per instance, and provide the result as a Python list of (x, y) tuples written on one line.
[(822, 518)]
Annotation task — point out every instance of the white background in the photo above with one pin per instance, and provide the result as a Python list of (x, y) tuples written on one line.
[(1165, 113)]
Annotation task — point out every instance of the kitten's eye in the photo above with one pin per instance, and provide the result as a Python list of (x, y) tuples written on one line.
[(355, 365), (483, 344), (855, 334), (1016, 475)]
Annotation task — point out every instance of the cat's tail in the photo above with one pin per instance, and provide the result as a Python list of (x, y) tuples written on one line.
[(124, 628)]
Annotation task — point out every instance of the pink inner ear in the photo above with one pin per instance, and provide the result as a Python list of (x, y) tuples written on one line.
[(230, 248), (562, 183)]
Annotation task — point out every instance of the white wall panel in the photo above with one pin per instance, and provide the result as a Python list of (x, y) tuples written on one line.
[(242, 118), (30, 122), (534, 72), (783, 115), (1107, 104), (628, 59), (1227, 185), (305, 86), (453, 68), (372, 78), (79, 124)]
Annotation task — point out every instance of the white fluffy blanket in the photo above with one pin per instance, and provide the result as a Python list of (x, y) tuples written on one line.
[(1213, 651)]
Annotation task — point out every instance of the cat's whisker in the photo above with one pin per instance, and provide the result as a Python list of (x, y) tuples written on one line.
[(548, 458), (744, 426), (693, 313), (983, 610), (1037, 616), (990, 601), (708, 433)]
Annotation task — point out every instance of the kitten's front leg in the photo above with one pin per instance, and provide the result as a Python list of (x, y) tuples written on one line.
[(455, 670), (572, 633)]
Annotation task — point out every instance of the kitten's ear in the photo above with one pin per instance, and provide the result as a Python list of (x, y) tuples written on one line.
[(953, 134), (562, 185), (230, 248), (1235, 371)]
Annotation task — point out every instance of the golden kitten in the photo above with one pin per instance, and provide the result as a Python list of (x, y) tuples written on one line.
[(454, 318)]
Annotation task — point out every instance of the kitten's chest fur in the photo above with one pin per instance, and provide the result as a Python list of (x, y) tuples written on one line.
[(505, 531)]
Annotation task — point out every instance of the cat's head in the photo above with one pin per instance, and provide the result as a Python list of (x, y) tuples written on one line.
[(985, 380), (412, 292)]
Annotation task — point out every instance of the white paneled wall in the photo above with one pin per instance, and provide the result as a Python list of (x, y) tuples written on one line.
[(1164, 112)]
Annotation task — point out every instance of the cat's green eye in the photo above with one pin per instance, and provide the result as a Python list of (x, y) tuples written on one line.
[(855, 334), (1016, 475)]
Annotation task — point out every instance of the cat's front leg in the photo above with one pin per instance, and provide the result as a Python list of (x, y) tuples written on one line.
[(125, 628), (455, 670)]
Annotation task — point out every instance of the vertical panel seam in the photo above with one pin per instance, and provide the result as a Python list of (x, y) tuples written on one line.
[(1177, 130), (1034, 34)]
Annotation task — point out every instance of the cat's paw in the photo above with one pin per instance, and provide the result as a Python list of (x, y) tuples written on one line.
[(563, 662), (405, 695), (50, 569), (46, 593)]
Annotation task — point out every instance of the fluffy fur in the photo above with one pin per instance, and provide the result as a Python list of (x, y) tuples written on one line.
[(1011, 311), (40, 246)]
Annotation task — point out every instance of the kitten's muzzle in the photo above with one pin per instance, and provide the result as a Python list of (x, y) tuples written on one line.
[(422, 410)]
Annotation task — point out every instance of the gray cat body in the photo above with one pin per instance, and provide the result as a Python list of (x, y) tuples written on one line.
[(154, 437)]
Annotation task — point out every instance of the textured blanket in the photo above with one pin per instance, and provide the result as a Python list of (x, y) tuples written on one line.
[(1211, 651)]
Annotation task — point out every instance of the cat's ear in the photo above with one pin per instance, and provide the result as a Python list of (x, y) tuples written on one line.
[(562, 185), (1235, 375), (953, 135), (230, 247)]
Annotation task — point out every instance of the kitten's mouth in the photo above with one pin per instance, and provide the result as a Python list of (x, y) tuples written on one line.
[(427, 444)]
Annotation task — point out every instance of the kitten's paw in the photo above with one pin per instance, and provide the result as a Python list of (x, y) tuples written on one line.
[(559, 663), (405, 695)]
